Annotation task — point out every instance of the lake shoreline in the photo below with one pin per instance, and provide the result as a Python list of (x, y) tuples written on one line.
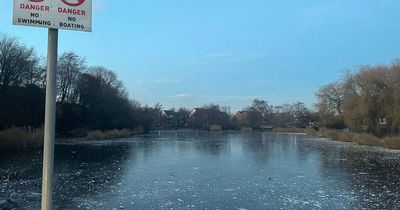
[(27, 138), (363, 139), (31, 141)]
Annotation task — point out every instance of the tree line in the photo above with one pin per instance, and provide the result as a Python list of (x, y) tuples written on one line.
[(258, 115), (92, 97), (88, 97)]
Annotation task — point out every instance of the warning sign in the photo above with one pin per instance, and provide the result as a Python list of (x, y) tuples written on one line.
[(58, 14)]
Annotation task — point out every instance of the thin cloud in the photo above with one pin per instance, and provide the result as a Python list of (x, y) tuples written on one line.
[(217, 55), (180, 95), (253, 56), (184, 95)]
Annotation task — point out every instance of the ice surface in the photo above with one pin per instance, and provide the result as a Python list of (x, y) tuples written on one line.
[(201, 170)]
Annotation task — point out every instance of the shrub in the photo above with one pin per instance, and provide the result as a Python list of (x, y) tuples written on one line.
[(113, 134), (21, 138), (392, 142), (289, 130), (215, 128), (246, 129), (359, 138), (333, 134)]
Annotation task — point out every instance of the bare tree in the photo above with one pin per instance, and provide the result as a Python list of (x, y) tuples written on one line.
[(330, 98), (108, 78), (301, 114), (262, 107), (18, 64), (70, 66)]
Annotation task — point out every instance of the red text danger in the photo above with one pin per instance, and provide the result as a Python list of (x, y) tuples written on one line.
[(72, 11), (34, 7)]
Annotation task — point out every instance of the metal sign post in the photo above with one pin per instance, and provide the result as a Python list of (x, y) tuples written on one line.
[(54, 15), (50, 120)]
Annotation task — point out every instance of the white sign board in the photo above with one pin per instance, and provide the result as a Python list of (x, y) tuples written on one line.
[(57, 14)]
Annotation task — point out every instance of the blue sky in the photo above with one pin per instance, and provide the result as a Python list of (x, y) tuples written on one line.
[(186, 53)]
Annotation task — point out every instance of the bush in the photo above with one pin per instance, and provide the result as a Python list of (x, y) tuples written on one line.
[(311, 131), (215, 128), (113, 134), (246, 129), (328, 133), (21, 138), (392, 142), (359, 138), (288, 130), (367, 139)]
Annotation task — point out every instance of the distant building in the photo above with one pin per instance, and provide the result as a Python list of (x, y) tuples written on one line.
[(382, 121), (204, 118), (169, 119), (248, 119), (198, 118)]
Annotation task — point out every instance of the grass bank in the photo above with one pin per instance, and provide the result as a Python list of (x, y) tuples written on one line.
[(17, 138), (291, 130), (21, 138), (347, 136), (361, 138), (113, 134)]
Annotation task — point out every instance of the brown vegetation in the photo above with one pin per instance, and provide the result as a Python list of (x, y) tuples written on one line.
[(246, 129), (366, 101), (113, 134), (289, 130), (21, 138), (88, 98), (215, 128), (358, 138)]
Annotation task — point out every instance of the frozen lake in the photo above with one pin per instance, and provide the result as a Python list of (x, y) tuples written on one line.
[(203, 170)]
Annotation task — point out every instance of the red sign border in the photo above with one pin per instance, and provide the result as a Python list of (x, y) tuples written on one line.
[(71, 4)]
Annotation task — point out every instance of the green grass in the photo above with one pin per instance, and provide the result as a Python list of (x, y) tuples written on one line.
[(21, 138)]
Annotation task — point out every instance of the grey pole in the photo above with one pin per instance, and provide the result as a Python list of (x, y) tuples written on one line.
[(50, 121)]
